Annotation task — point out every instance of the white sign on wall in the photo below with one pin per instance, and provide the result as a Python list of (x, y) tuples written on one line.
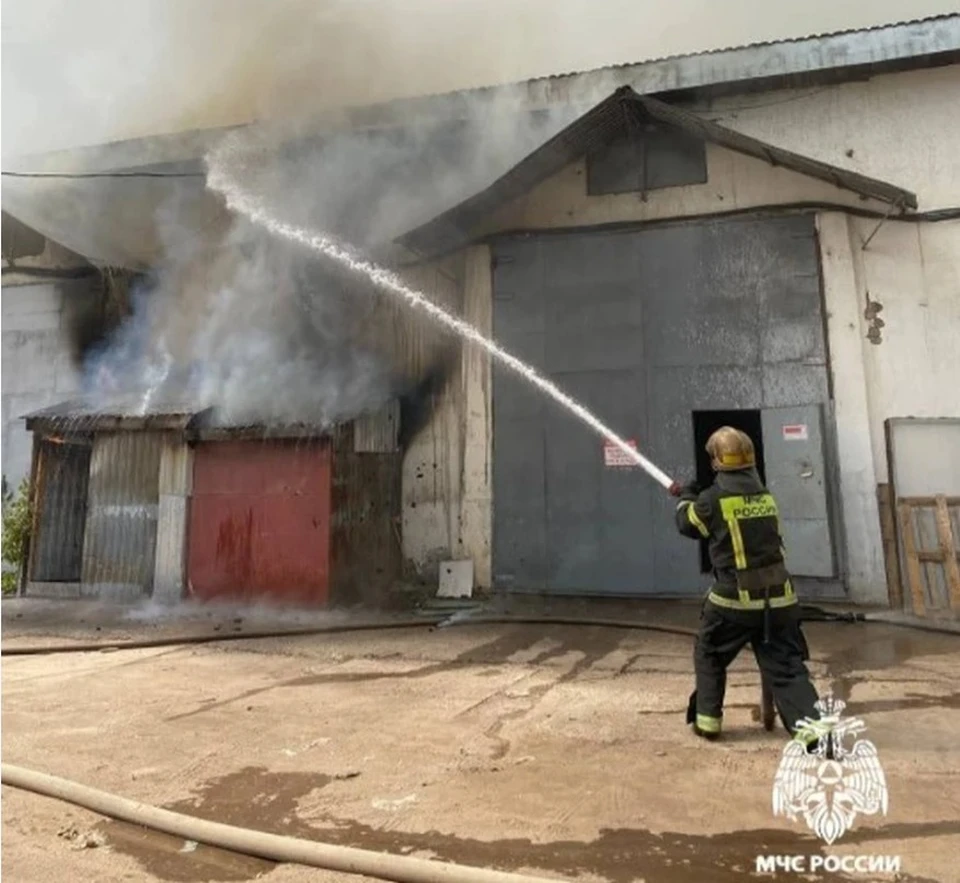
[(795, 432), (615, 457)]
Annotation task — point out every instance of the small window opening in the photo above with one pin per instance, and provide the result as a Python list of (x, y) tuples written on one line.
[(647, 157)]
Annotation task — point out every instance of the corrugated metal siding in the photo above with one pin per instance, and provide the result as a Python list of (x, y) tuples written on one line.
[(120, 542), (260, 521), (63, 470)]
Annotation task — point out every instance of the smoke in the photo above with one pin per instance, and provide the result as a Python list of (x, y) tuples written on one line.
[(228, 317), (370, 186), (97, 71), (263, 331), (255, 330)]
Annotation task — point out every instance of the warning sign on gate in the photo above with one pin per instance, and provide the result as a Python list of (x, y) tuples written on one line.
[(795, 432), (614, 456)]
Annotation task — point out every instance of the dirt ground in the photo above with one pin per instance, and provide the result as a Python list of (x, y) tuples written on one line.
[(559, 750)]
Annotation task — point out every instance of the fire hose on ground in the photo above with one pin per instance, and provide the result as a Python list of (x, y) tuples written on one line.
[(808, 614), (246, 841)]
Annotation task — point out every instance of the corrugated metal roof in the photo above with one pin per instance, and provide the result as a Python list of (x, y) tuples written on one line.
[(84, 416), (609, 119), (911, 38), (128, 412), (776, 63), (783, 41)]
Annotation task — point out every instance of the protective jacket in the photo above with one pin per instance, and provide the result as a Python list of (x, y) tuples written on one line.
[(738, 517)]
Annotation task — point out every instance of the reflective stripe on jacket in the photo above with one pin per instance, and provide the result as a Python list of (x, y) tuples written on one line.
[(739, 518)]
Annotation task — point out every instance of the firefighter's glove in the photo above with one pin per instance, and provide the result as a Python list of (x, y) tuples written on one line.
[(690, 491)]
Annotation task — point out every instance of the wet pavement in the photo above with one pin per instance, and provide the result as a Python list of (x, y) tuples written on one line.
[(558, 750), (257, 798)]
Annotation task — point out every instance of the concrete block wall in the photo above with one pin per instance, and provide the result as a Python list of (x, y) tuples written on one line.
[(38, 366)]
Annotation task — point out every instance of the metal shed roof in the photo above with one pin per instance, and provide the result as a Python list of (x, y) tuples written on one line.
[(123, 412), (611, 118), (128, 413)]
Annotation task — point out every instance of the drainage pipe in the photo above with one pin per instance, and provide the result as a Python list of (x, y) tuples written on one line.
[(274, 847)]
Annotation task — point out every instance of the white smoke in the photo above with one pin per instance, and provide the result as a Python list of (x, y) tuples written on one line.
[(81, 73), (224, 179), (266, 332)]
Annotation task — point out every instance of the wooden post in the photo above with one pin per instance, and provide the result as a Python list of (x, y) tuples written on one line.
[(948, 546), (34, 496), (914, 572), (891, 555)]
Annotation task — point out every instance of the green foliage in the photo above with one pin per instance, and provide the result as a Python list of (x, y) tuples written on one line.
[(17, 520)]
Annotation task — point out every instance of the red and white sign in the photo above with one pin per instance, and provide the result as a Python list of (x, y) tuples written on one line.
[(795, 432), (615, 456)]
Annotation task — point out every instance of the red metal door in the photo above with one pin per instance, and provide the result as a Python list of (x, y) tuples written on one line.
[(260, 521)]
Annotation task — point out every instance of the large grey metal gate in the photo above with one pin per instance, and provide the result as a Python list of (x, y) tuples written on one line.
[(645, 328)]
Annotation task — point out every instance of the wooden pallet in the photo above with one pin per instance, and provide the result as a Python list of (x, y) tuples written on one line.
[(930, 540)]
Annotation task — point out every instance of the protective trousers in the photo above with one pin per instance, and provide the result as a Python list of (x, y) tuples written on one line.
[(781, 658)]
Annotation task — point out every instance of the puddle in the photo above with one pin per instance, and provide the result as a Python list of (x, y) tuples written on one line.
[(249, 798), (166, 857), (864, 653), (255, 798)]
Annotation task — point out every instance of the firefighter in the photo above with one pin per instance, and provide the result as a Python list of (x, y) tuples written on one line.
[(752, 600)]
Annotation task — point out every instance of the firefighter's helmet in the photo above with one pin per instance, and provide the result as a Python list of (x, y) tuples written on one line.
[(731, 450)]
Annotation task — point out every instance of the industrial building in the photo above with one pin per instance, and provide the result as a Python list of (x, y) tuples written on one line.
[(767, 236)]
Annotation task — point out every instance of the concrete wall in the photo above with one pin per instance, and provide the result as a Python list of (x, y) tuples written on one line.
[(446, 495), (908, 367), (902, 128), (38, 309), (38, 366)]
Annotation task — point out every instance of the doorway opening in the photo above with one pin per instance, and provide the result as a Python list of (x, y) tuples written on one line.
[(705, 423)]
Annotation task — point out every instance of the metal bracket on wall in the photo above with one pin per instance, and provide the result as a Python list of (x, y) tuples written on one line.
[(894, 206)]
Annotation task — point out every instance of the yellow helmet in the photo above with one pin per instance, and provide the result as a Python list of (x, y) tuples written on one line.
[(731, 450)]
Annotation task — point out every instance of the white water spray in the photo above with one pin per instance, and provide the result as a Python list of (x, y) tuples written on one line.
[(220, 180)]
